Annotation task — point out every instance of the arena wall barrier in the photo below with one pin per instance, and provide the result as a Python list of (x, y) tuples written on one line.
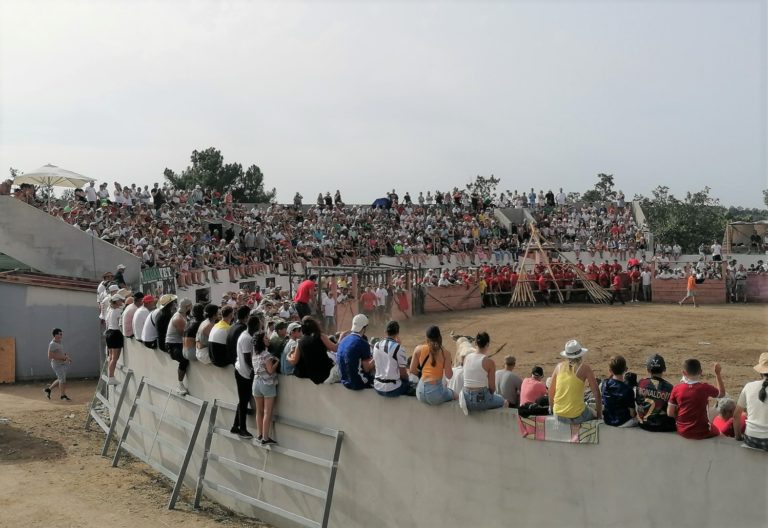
[(409, 465), (757, 288), (450, 298)]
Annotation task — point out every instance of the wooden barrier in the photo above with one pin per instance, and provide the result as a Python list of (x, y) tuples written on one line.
[(711, 291), (757, 288), (7, 360), (450, 298)]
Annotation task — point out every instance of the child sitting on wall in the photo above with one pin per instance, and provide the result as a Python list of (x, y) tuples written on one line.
[(618, 396), (651, 398), (689, 399), (724, 419)]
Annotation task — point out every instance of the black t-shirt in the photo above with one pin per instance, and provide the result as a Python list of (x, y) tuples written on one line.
[(163, 320), (314, 362), (233, 334), (191, 329)]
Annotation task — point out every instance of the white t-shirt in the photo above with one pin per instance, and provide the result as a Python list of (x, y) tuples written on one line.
[(114, 317), (389, 357), (381, 297), (244, 346), (757, 411), (329, 306), (139, 318), (149, 332), (646, 276), (90, 193)]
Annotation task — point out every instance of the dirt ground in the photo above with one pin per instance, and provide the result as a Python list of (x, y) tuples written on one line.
[(52, 475)]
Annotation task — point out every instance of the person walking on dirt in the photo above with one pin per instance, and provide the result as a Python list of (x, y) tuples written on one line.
[(60, 362), (691, 289)]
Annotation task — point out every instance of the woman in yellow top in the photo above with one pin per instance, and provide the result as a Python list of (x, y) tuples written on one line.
[(434, 361), (566, 390)]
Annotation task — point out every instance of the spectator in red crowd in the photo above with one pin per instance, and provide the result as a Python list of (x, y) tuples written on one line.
[(304, 295), (616, 289)]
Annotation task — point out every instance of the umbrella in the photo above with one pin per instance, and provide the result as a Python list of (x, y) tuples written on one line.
[(53, 176)]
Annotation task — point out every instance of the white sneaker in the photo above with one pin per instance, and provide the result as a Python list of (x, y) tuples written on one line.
[(113, 381), (181, 390), (463, 403)]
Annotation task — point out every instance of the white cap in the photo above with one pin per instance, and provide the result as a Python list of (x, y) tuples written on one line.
[(359, 322), (114, 288)]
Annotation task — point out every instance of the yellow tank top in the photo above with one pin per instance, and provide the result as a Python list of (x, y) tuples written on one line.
[(569, 393), (428, 372)]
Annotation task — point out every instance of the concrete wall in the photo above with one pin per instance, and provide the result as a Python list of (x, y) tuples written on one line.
[(409, 465), (49, 245), (29, 313)]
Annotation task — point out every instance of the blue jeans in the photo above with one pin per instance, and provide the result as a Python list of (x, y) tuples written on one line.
[(433, 392), (402, 390), (482, 400)]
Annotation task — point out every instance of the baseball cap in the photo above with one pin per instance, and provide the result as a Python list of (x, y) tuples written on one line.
[(148, 299), (537, 371), (293, 326), (359, 322), (655, 363), (114, 288), (120, 266)]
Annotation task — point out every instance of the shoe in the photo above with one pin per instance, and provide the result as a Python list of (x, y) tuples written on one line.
[(47, 392), (181, 390), (245, 435), (113, 381), (65, 397), (463, 404), (268, 441), (235, 430)]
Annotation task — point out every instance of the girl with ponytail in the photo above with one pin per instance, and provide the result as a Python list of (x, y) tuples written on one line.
[(431, 362), (754, 400)]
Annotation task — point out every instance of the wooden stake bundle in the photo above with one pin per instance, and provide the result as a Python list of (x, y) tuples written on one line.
[(595, 291)]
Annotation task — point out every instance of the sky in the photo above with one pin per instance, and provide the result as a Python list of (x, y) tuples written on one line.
[(369, 96)]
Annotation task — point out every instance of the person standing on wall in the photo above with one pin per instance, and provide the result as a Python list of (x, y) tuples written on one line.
[(113, 335), (60, 362), (304, 295)]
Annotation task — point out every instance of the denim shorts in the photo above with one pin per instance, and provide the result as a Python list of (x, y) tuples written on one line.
[(482, 400), (586, 415), (433, 392), (263, 390)]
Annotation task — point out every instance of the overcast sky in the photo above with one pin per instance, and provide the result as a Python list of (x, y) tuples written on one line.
[(369, 96)]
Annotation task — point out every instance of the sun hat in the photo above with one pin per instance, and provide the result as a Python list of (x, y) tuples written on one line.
[(359, 322), (166, 299), (573, 350), (116, 298), (762, 364)]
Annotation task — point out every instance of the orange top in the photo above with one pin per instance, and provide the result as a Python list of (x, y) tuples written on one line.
[(428, 372), (691, 282)]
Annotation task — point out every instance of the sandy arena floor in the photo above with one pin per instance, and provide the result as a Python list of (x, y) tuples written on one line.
[(51, 473)]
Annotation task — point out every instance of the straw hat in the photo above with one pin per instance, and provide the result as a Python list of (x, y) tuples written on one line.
[(166, 299), (762, 364)]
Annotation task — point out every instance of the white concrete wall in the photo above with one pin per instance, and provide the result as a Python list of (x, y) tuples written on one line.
[(49, 245), (406, 464)]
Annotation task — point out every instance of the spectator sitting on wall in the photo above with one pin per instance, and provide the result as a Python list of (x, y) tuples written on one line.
[(566, 388), (532, 389), (432, 363), (137, 300), (754, 400), (310, 357), (354, 356), (141, 315), (508, 383), (190, 331), (278, 339), (689, 399), (389, 358), (724, 419), (479, 392), (651, 398), (167, 306), (217, 339), (202, 349), (618, 397)]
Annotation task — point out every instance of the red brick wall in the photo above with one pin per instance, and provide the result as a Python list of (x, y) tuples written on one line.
[(757, 288), (443, 299), (673, 290)]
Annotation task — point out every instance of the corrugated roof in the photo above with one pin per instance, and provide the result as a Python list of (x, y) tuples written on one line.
[(44, 280)]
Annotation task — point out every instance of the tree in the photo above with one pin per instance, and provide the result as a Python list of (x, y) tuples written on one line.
[(603, 190), (697, 218), (765, 196), (209, 171), (484, 187)]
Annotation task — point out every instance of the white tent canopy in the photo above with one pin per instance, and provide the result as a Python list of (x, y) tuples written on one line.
[(738, 235)]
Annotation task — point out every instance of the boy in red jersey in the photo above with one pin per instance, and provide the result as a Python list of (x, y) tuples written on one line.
[(689, 399)]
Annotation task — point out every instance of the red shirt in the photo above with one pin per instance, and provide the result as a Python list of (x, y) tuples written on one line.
[(617, 282), (369, 300), (691, 401), (304, 292), (542, 283), (726, 426), (531, 390)]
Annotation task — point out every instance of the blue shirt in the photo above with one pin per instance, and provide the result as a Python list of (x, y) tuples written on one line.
[(352, 351), (618, 399)]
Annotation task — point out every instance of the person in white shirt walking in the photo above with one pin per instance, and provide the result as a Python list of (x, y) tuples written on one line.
[(329, 312)]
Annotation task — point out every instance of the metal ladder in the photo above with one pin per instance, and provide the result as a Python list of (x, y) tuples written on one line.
[(114, 410), (326, 495), (157, 439)]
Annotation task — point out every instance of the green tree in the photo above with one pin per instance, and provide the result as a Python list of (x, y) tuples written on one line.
[(603, 190), (697, 218), (209, 171), (484, 187), (765, 196)]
